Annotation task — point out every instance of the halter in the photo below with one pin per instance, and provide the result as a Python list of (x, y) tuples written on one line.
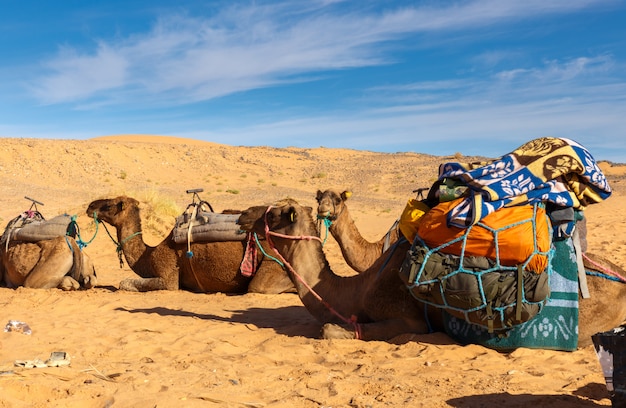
[(268, 234), (79, 240), (118, 244), (327, 220)]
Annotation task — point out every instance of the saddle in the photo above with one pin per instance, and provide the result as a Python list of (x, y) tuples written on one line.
[(31, 226), (198, 223)]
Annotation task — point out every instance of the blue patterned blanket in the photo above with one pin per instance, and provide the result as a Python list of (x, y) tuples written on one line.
[(548, 169)]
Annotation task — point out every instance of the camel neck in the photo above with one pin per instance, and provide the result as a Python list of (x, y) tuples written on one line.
[(319, 288), (131, 244), (357, 251)]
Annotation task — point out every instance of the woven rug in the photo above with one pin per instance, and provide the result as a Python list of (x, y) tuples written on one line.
[(554, 328)]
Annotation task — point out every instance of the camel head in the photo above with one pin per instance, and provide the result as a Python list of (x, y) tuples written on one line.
[(285, 217), (330, 203), (114, 211)]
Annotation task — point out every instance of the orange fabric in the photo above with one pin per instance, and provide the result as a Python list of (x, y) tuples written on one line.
[(515, 243)]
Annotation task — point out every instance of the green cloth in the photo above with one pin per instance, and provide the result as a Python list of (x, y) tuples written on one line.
[(554, 328)]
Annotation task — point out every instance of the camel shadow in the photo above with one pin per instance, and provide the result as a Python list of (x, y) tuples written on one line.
[(583, 397), (292, 321), (108, 288)]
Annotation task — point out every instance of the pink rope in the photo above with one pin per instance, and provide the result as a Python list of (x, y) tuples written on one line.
[(269, 234), (604, 269)]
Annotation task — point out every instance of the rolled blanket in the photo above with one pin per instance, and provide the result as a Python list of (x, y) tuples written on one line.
[(548, 169)]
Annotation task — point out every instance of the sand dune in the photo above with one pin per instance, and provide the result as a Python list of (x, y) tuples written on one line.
[(171, 349)]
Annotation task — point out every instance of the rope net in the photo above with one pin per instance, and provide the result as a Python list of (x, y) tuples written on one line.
[(482, 290)]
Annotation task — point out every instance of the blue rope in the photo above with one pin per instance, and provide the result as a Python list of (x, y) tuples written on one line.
[(499, 310), (74, 227), (327, 223), (603, 275), (256, 239)]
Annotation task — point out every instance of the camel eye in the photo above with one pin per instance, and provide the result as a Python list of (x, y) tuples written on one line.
[(292, 214)]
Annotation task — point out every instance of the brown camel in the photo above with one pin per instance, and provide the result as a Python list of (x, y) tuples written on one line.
[(51, 263), (358, 253), (213, 267), (378, 298)]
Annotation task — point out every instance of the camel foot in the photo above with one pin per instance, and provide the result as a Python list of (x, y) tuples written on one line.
[(334, 331), (129, 285), (90, 282), (68, 283)]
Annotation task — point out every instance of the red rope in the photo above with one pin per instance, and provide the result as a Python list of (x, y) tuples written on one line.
[(604, 269), (268, 234)]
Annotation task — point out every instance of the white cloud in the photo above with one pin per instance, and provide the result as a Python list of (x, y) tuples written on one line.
[(81, 76), (184, 59)]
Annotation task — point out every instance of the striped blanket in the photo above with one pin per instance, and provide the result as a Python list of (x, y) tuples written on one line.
[(548, 169)]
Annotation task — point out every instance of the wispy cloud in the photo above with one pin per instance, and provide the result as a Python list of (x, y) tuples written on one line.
[(184, 59), (475, 116)]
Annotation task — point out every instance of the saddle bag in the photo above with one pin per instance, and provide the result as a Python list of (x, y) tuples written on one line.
[(494, 274), (474, 289)]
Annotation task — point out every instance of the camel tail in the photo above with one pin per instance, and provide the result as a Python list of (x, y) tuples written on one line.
[(77, 256)]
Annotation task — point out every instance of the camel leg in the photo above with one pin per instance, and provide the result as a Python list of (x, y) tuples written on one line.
[(88, 278), (271, 280), (54, 263), (146, 285), (382, 330)]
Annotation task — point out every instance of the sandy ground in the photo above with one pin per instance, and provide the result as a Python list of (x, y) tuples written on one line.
[(182, 349)]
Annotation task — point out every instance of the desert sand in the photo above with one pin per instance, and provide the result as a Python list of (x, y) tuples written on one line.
[(183, 349)]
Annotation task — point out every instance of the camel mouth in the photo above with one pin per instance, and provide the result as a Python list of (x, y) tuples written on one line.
[(244, 224), (326, 215), (251, 220)]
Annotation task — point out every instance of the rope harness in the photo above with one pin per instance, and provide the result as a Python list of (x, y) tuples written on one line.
[(73, 227), (120, 244), (327, 221), (268, 236)]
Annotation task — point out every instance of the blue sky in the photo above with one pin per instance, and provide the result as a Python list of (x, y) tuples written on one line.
[(478, 77)]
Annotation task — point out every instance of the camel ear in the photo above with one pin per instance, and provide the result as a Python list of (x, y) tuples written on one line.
[(120, 206), (318, 195), (346, 194)]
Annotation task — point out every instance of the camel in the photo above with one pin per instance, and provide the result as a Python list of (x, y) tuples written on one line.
[(214, 266), (376, 305), (358, 253), (50, 263)]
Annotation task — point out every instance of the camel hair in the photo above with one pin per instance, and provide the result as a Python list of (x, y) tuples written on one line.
[(46, 264), (358, 253), (377, 298), (214, 266)]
